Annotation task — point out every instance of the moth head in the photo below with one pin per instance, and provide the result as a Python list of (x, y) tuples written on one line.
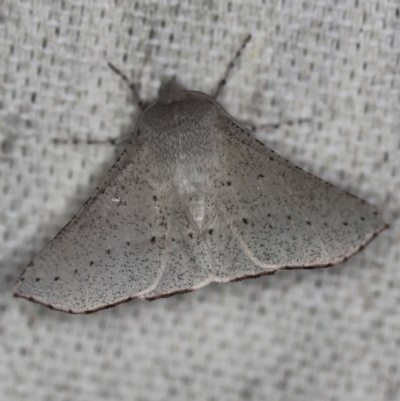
[(171, 91)]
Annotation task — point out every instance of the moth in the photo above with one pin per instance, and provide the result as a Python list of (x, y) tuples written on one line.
[(194, 199)]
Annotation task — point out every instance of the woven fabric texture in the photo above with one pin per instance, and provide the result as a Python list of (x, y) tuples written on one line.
[(329, 334)]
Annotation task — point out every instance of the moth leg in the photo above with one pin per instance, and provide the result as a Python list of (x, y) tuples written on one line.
[(251, 127), (223, 80), (107, 141)]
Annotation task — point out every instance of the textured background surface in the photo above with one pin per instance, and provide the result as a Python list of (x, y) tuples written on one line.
[(308, 335)]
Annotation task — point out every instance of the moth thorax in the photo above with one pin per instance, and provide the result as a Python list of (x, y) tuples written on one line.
[(181, 132)]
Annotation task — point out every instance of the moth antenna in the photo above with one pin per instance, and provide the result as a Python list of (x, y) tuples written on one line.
[(132, 86), (107, 141), (223, 80)]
